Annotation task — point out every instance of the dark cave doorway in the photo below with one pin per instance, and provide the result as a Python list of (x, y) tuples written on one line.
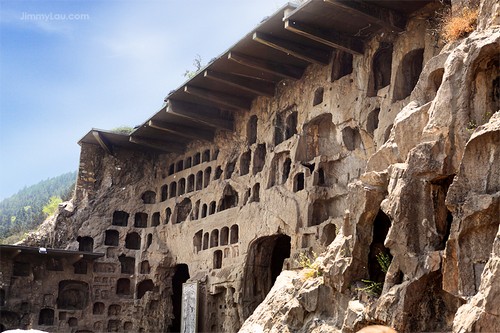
[(265, 262), (181, 275)]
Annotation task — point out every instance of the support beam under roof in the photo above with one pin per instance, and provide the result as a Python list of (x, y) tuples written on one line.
[(331, 38), (384, 17), (181, 130), (300, 51), (169, 147), (219, 98), (203, 114), (259, 87), (279, 69), (103, 142)]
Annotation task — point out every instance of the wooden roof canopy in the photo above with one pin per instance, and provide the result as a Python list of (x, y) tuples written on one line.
[(281, 47), (12, 251)]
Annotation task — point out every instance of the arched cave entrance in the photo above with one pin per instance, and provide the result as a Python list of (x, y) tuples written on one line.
[(9, 320), (73, 295), (181, 275), (265, 262), (381, 227)]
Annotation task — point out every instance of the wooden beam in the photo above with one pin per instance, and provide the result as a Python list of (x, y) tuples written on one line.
[(276, 68), (206, 115), (304, 52), (220, 98), (331, 38), (170, 147), (259, 87), (386, 18), (181, 130), (103, 142)]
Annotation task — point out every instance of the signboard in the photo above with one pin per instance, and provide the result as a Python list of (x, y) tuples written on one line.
[(189, 310)]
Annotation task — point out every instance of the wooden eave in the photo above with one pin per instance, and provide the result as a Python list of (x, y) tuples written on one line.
[(279, 48), (14, 250)]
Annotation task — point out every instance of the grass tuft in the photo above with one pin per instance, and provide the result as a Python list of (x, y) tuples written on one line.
[(459, 25)]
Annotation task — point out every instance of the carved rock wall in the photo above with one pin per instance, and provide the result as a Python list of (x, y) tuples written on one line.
[(362, 157)]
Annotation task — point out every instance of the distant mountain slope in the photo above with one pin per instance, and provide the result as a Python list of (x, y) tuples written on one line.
[(24, 210)]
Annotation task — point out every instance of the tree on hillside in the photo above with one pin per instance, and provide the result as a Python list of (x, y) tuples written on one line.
[(51, 207), (24, 210)]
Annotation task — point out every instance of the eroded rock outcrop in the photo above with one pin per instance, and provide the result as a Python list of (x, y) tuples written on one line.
[(436, 182)]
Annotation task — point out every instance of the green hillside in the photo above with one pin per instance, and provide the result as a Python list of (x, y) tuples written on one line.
[(25, 210)]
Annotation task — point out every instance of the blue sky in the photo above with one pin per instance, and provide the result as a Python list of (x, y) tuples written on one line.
[(68, 66)]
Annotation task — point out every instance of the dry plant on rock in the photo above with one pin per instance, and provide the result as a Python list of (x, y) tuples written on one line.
[(460, 24)]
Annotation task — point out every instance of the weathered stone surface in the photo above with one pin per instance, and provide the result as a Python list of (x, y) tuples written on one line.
[(403, 173)]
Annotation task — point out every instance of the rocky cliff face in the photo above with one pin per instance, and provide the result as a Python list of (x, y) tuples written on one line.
[(385, 163), (437, 178)]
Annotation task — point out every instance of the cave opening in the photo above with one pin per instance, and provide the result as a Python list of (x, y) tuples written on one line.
[(123, 286), (381, 227), (266, 257), (85, 244), (255, 193), (182, 186), (145, 267), (199, 180), (224, 236), (127, 264), (143, 287), (408, 74), (217, 261), (80, 267), (46, 317), (197, 159), (229, 198), (211, 208), (259, 158), (207, 174), (114, 310), (318, 96), (179, 166), (287, 165), (372, 120), (173, 190), (190, 183), (245, 163), (183, 209), (341, 64), (141, 220), (252, 130), (120, 218), (181, 275), (291, 125), (206, 156), (98, 308), (72, 295), (188, 162), (133, 241), (111, 237), (149, 197), (380, 75), (229, 169), (218, 173), (318, 138), (155, 220), (164, 193), (234, 234), (299, 182), (214, 238), (206, 237)]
